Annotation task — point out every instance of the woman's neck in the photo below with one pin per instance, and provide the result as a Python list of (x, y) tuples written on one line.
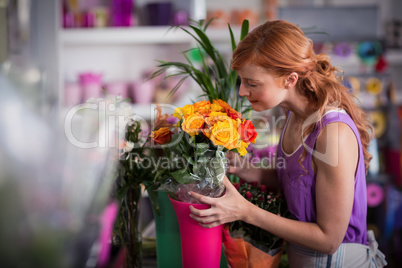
[(298, 105)]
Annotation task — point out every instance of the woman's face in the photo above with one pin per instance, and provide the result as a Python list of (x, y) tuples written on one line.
[(263, 90)]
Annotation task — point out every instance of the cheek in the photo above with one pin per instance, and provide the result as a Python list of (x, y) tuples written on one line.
[(269, 100), (279, 83)]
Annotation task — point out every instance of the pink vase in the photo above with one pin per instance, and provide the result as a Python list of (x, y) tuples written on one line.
[(117, 89), (143, 92), (72, 94), (91, 84), (201, 247)]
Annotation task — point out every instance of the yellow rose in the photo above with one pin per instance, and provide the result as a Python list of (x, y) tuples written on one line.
[(215, 107), (184, 111), (225, 133), (242, 149), (193, 124)]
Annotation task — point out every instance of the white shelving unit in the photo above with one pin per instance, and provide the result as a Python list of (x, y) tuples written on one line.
[(124, 53), (137, 35)]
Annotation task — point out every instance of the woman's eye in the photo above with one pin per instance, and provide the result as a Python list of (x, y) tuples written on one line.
[(250, 85)]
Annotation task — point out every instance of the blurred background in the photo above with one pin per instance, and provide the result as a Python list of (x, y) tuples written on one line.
[(56, 54)]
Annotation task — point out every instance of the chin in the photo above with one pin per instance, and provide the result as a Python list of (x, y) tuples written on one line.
[(258, 108)]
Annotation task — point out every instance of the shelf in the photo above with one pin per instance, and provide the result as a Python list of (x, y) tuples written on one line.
[(114, 36), (138, 35), (394, 56)]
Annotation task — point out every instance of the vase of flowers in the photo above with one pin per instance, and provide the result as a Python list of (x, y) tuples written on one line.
[(131, 176), (196, 151), (218, 82), (128, 193)]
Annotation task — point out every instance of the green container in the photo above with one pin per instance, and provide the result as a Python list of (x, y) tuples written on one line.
[(168, 243), (168, 247)]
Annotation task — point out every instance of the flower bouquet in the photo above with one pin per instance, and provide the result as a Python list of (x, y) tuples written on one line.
[(205, 132)]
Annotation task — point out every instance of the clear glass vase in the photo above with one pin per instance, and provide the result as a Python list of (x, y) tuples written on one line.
[(127, 232)]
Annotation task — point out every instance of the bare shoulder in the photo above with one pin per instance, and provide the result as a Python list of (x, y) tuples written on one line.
[(336, 144)]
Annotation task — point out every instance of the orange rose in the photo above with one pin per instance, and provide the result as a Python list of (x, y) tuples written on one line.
[(193, 124), (214, 117), (233, 113), (202, 105), (229, 110), (162, 135), (222, 103), (247, 131)]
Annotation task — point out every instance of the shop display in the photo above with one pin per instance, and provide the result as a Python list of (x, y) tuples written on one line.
[(370, 74)]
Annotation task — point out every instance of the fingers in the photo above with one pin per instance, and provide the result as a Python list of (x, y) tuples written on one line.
[(227, 183), (230, 154), (233, 169), (204, 218), (200, 212), (236, 162)]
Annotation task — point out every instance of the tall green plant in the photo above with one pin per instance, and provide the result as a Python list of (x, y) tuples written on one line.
[(215, 77)]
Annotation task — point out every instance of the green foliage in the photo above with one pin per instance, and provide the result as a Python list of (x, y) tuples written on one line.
[(215, 77)]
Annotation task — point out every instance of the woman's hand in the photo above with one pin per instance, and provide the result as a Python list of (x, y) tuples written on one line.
[(228, 208), (247, 170), (238, 165)]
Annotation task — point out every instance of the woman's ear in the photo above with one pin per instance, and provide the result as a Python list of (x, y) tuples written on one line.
[(291, 80)]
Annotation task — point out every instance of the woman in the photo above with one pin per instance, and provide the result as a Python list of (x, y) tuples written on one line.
[(323, 145)]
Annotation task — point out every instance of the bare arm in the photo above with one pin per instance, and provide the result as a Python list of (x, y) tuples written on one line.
[(334, 187)]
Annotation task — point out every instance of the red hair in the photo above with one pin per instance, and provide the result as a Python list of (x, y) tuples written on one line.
[(282, 48)]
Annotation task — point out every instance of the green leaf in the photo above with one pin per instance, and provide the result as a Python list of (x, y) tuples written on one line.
[(244, 29), (232, 39), (207, 24), (206, 43), (201, 149), (176, 87), (182, 176)]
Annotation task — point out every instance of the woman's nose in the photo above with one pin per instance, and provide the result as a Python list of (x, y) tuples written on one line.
[(243, 92)]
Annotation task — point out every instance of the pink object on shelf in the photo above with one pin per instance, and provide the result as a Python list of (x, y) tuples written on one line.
[(375, 194), (91, 85), (121, 12), (89, 19), (72, 94), (117, 88), (143, 92), (201, 247)]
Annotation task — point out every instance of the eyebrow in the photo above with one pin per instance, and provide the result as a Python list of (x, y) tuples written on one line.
[(251, 79)]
